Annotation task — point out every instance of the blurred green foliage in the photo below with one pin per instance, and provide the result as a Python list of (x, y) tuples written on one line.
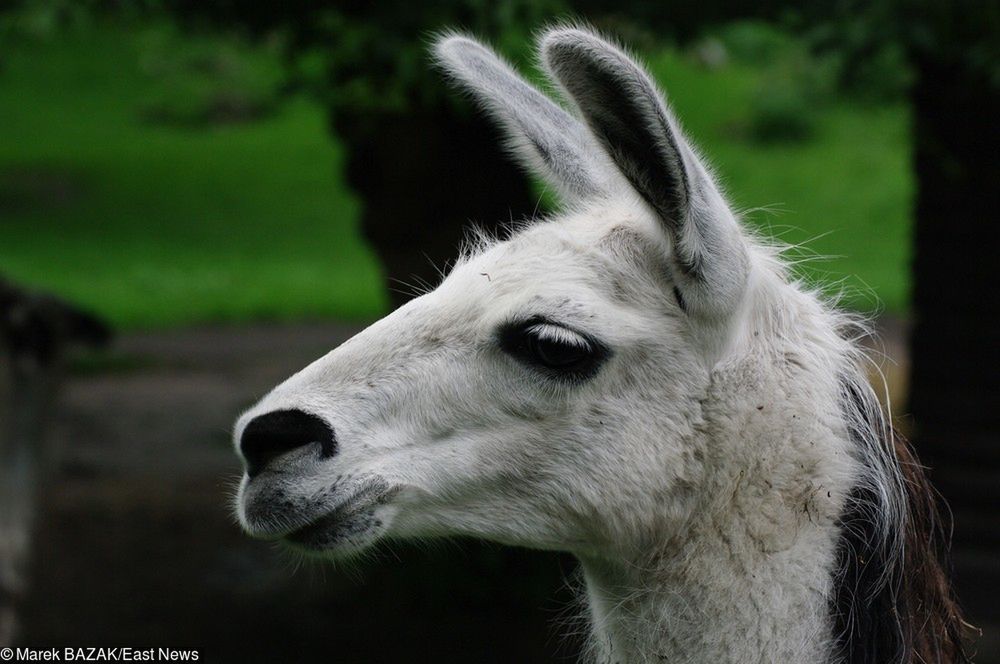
[(794, 87), (808, 66), (757, 42), (195, 218), (153, 225), (370, 60), (866, 49), (203, 79), (781, 111)]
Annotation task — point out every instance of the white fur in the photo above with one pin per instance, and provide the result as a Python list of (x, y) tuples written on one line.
[(698, 476)]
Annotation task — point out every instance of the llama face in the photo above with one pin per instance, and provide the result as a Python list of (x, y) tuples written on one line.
[(546, 393), (511, 403)]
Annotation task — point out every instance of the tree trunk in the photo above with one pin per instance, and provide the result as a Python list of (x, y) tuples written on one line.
[(955, 384), (423, 176)]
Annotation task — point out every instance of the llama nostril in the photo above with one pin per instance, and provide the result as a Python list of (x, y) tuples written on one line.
[(272, 434)]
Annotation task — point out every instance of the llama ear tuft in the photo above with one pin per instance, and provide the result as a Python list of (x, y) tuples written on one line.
[(546, 139), (628, 116)]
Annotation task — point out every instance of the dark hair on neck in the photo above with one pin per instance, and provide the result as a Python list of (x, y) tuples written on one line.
[(892, 600)]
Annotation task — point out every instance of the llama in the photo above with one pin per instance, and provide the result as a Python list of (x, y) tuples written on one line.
[(638, 381)]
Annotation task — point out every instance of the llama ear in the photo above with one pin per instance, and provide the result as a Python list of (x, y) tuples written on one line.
[(546, 139), (629, 117)]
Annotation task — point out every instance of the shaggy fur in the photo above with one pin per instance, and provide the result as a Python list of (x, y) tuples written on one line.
[(892, 597), (638, 381)]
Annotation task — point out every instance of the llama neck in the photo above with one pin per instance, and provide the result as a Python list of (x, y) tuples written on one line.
[(710, 604), (749, 578)]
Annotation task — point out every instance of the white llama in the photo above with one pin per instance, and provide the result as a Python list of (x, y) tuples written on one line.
[(637, 381)]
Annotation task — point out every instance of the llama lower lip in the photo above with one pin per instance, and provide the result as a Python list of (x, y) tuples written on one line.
[(349, 520), (335, 531), (323, 525)]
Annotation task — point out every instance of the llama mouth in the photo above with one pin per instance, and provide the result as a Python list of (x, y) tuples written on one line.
[(352, 525)]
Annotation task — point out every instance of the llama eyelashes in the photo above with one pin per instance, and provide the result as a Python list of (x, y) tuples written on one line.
[(553, 349)]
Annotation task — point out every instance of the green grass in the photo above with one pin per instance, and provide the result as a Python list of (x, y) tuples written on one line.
[(156, 226)]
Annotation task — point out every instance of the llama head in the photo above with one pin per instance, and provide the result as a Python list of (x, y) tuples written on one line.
[(547, 392)]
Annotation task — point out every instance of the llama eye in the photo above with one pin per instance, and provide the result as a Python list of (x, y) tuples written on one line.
[(555, 350)]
